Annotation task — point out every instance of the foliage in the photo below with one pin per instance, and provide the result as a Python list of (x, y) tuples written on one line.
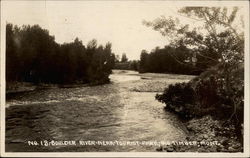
[(179, 98), (32, 55), (168, 60), (208, 94), (124, 58), (213, 40), (129, 65), (125, 63), (178, 94)]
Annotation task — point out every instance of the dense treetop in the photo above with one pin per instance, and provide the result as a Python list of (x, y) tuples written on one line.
[(32, 55)]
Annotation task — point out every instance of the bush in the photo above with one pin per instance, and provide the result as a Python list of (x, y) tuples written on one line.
[(179, 98), (217, 93)]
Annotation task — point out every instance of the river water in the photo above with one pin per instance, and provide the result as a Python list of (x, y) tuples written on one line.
[(124, 110)]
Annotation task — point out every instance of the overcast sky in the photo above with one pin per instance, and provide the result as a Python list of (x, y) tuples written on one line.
[(118, 22)]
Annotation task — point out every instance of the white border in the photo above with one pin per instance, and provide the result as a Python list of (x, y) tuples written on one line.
[(2, 79), (136, 154)]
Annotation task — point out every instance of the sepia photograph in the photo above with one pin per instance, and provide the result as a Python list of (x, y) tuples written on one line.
[(124, 78)]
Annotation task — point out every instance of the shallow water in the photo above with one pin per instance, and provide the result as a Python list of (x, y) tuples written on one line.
[(110, 112)]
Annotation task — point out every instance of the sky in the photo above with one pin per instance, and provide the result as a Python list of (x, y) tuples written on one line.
[(118, 22)]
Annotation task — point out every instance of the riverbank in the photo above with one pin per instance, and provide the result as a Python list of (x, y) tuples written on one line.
[(18, 87), (155, 82), (211, 111), (207, 135)]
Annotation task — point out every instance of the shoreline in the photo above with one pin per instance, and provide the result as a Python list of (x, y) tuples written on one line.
[(207, 135), (21, 87)]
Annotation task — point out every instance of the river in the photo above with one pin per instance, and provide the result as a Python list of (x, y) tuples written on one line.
[(124, 110)]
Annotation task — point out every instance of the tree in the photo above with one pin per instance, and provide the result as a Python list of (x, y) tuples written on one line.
[(210, 45), (32, 55), (11, 55), (117, 58), (124, 58), (144, 61), (166, 60)]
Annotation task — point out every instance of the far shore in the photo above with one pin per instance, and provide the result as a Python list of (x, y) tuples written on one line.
[(19, 87)]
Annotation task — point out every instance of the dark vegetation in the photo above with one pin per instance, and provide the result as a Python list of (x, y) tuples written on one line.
[(208, 95), (125, 64), (219, 90), (129, 65), (170, 59), (124, 58), (32, 55)]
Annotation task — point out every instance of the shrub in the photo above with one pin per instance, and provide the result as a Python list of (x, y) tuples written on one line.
[(217, 93), (179, 98)]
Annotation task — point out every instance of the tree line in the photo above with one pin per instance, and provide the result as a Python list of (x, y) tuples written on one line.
[(170, 59), (125, 64), (32, 55)]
